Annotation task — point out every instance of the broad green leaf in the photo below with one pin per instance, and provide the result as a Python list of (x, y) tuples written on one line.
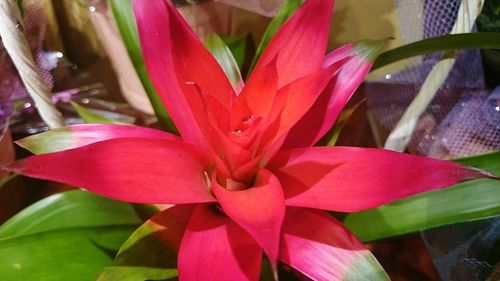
[(471, 200), (67, 210), (125, 20), (446, 43), (153, 246), (243, 50), (225, 58), (73, 254), (89, 116), (67, 236), (131, 273), (288, 8)]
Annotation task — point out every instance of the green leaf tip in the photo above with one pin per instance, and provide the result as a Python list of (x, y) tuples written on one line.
[(369, 49)]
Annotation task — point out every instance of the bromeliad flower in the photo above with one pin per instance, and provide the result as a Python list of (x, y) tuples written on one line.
[(245, 161)]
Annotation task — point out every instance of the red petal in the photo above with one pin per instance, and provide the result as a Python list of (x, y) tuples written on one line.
[(215, 248), (348, 179), (322, 249), (182, 70), (300, 44), (323, 114), (129, 169), (260, 90), (292, 102), (259, 210), (296, 98)]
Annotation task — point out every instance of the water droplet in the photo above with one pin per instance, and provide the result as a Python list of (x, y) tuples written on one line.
[(247, 120), (463, 104), (237, 132), (59, 54), (433, 137), (427, 137), (85, 101), (388, 76), (497, 108), (19, 26), (92, 9), (27, 105), (445, 140)]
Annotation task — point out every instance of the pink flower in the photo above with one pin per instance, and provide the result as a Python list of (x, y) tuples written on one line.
[(244, 161)]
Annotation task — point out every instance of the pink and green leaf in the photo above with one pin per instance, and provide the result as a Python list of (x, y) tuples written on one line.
[(80, 135), (136, 170), (348, 179), (321, 248), (467, 201)]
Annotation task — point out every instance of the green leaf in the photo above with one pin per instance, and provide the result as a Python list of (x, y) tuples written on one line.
[(446, 43), (225, 58), (366, 267), (53, 140), (471, 200), (243, 50), (72, 209), (125, 20), (4, 181), (288, 8), (131, 273), (239, 47), (89, 116), (58, 255), (153, 246), (67, 236)]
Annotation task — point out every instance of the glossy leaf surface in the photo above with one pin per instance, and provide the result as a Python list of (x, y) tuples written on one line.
[(226, 60), (67, 236)]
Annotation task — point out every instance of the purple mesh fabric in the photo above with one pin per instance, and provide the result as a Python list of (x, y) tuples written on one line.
[(389, 96), (463, 119), (11, 86)]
